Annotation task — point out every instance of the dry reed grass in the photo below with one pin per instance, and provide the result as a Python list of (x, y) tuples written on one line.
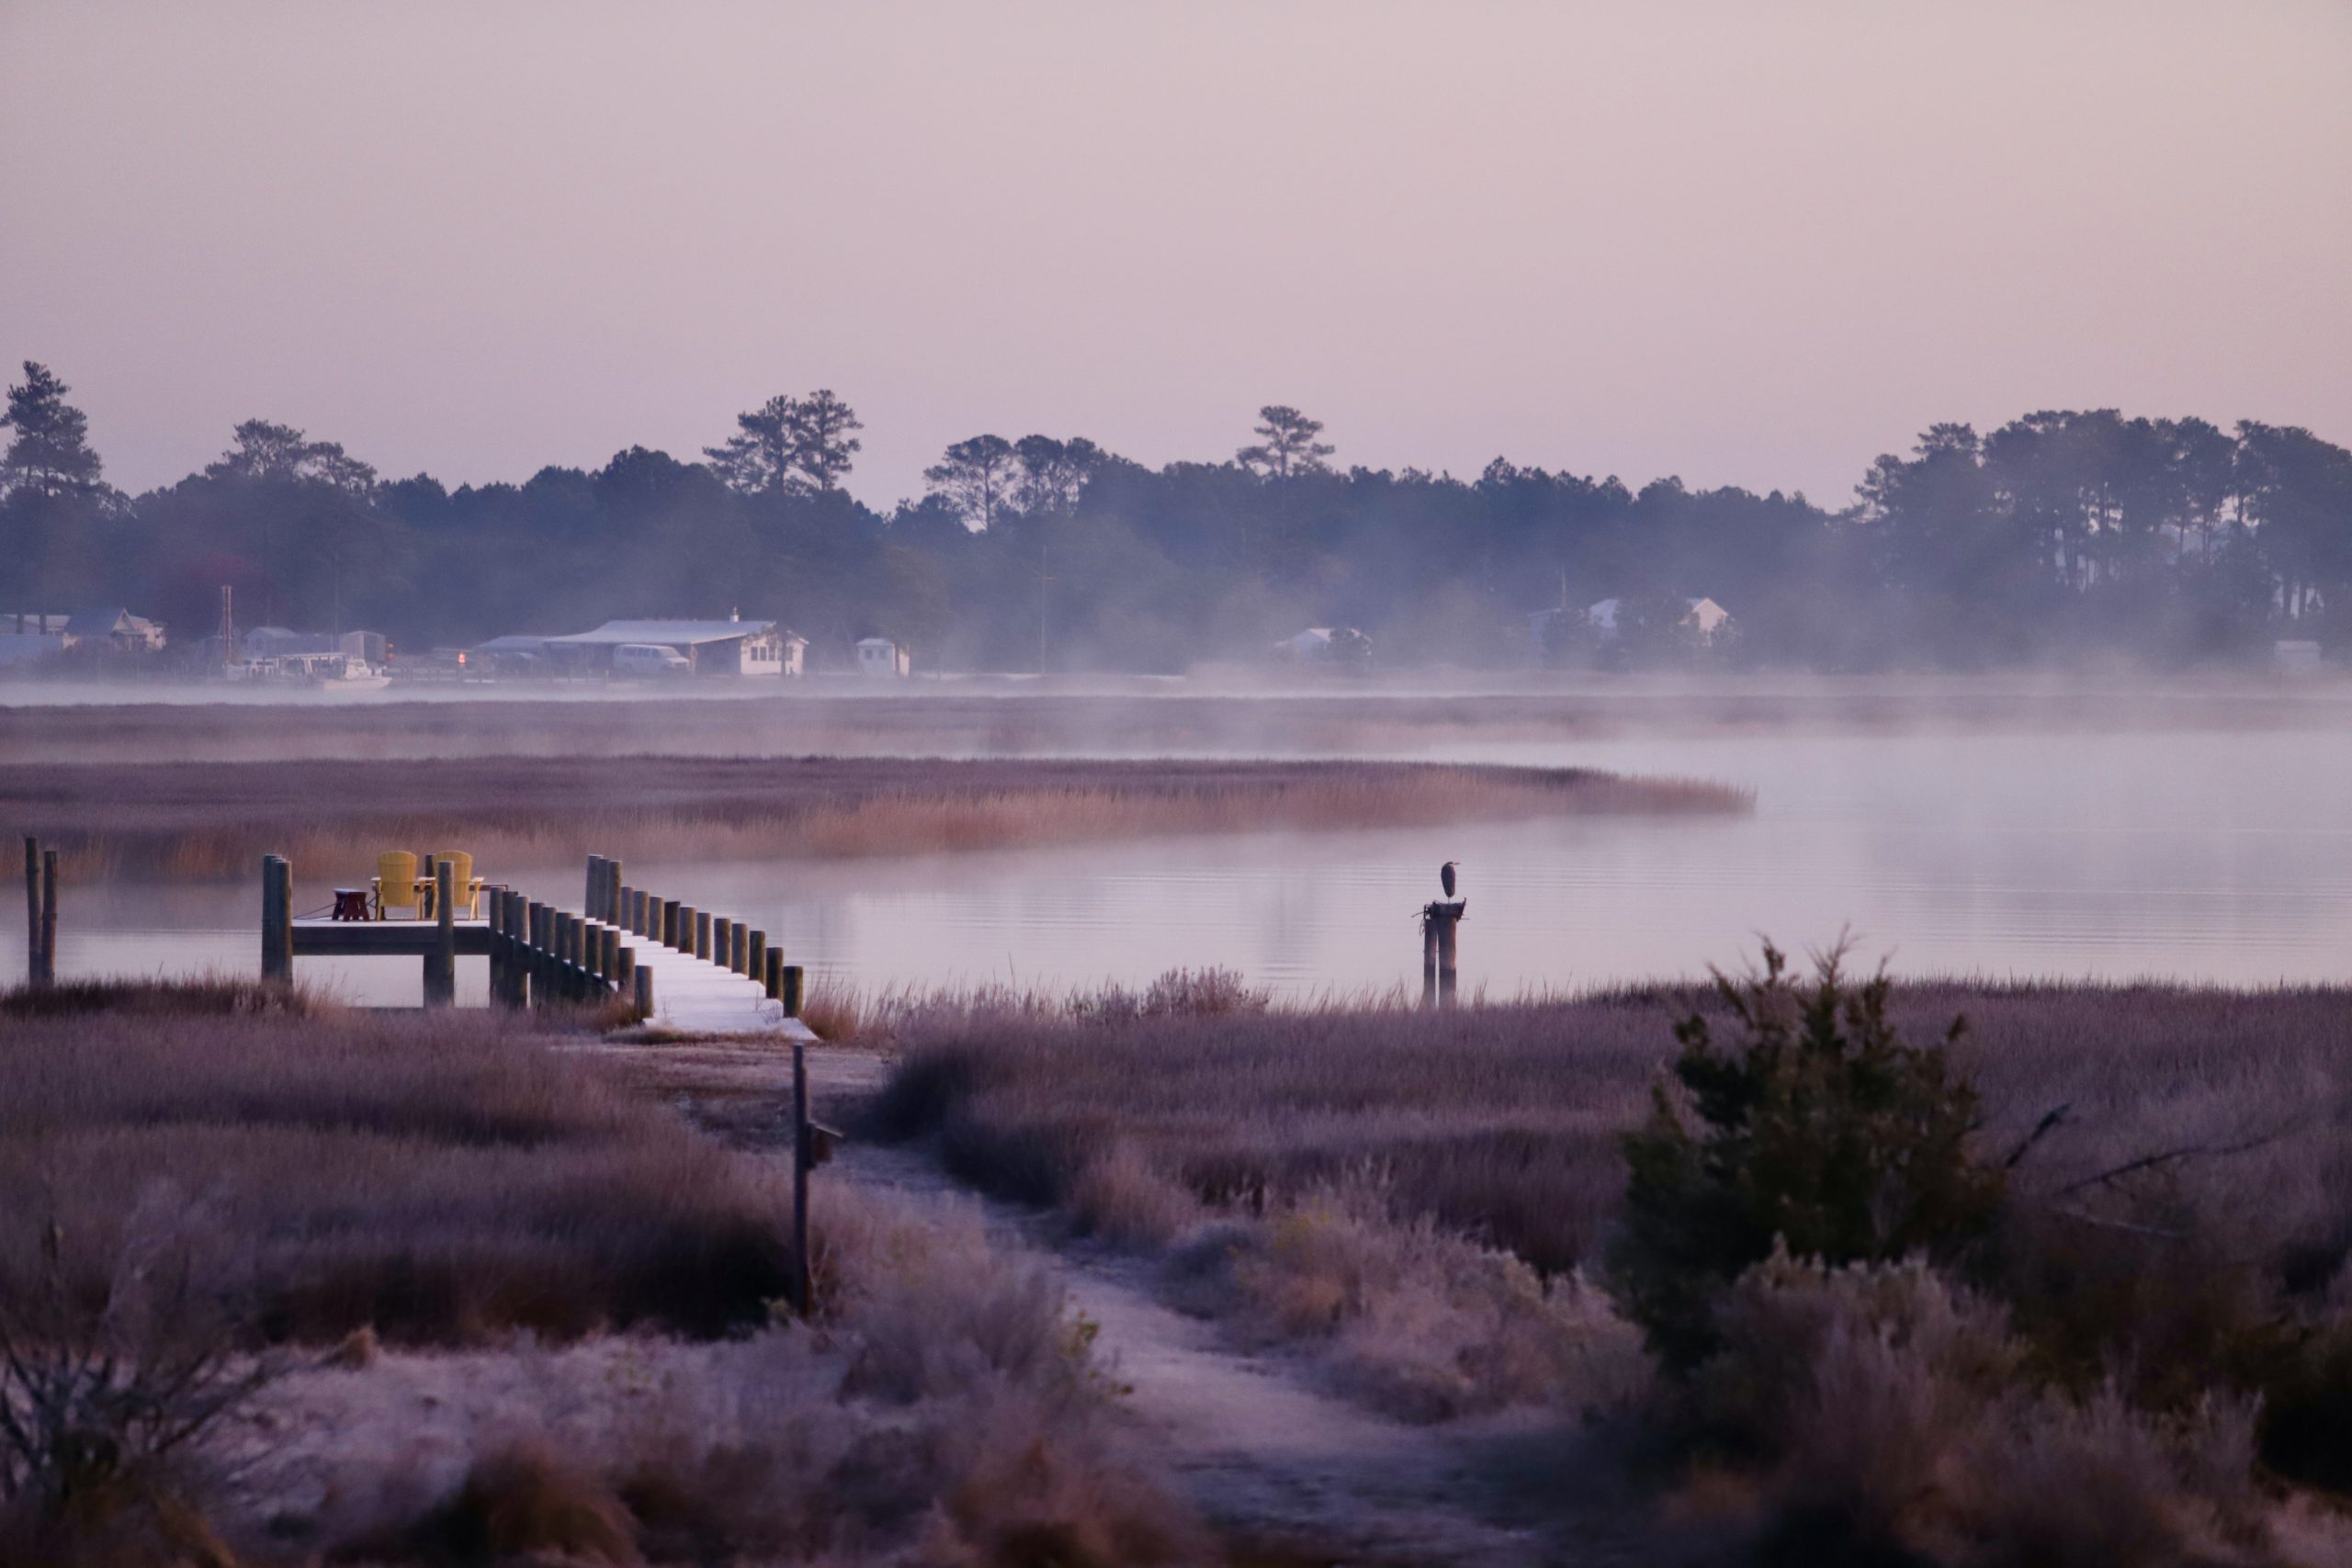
[(213, 820), (947, 1411), (438, 1179)]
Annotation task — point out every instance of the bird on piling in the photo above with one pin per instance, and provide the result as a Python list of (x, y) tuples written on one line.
[(1445, 876)]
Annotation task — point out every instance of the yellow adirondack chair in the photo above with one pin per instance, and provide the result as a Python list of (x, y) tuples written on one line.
[(467, 905), (397, 886)]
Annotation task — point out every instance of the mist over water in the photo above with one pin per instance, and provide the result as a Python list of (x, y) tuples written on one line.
[(2197, 857)]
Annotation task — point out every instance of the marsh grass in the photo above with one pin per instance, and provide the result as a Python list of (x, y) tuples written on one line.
[(210, 820), (437, 1178)]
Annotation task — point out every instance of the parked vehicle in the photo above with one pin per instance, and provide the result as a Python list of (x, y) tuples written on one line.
[(648, 659)]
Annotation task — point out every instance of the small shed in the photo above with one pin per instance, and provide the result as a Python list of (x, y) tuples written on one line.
[(1706, 617), (882, 657)]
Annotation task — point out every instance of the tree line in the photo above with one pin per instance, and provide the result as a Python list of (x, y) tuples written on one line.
[(2060, 537)]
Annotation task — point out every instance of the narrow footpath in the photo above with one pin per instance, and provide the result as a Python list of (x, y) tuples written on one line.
[(1291, 1474)]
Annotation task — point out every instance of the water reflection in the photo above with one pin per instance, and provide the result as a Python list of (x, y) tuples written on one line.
[(2218, 858)]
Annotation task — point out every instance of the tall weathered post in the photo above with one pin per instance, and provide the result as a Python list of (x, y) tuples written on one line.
[(610, 911), (1438, 923), (702, 933), (277, 921), (772, 982), (792, 989), (32, 909), (49, 918), (441, 964), (755, 957)]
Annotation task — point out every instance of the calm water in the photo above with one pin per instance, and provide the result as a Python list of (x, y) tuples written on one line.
[(2222, 858)]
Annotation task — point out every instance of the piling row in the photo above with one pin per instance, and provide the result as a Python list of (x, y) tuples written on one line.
[(698, 933), (541, 954)]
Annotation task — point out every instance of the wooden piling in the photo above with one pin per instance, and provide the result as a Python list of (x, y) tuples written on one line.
[(1445, 976), (686, 913), (670, 907), (772, 974), (739, 947), (610, 911), (608, 952), (791, 994), (49, 919), (441, 964), (32, 910), (644, 980), (756, 956), (702, 933), (625, 973), (277, 923)]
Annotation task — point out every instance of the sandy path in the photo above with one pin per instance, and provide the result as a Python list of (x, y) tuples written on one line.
[(1296, 1473)]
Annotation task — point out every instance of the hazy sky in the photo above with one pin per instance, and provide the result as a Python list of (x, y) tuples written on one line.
[(1752, 242)]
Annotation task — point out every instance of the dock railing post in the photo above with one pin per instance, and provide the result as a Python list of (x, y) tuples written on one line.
[(441, 968), (277, 921), (49, 917)]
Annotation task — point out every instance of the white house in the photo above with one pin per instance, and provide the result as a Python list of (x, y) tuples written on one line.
[(117, 629), (1319, 643), (1706, 617), (2294, 658), (731, 646)]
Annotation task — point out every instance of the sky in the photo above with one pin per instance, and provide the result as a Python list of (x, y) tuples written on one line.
[(1745, 243)]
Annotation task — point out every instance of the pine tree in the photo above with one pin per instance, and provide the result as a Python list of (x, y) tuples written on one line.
[(50, 452)]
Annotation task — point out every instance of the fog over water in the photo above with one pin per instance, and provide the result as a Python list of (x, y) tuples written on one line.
[(2181, 856)]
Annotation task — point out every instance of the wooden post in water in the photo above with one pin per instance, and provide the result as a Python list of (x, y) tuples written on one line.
[(1447, 923), (441, 965), (702, 933), (802, 1163), (755, 957), (772, 975), (739, 947), (670, 907), (790, 995), (277, 921), (608, 955), (32, 911), (48, 920), (610, 911), (625, 973), (686, 930), (1439, 921), (722, 939), (1428, 955)]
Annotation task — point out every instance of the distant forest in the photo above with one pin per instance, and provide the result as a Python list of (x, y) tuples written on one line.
[(2062, 537)]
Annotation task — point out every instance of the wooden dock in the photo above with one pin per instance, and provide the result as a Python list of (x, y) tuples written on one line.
[(665, 965)]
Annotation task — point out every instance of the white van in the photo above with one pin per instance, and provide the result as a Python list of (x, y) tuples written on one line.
[(648, 659)]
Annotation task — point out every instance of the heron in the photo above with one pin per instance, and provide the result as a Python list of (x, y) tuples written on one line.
[(1445, 876)]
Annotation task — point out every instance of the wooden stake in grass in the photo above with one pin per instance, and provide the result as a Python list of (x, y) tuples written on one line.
[(441, 967), (802, 1161), (1439, 921)]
